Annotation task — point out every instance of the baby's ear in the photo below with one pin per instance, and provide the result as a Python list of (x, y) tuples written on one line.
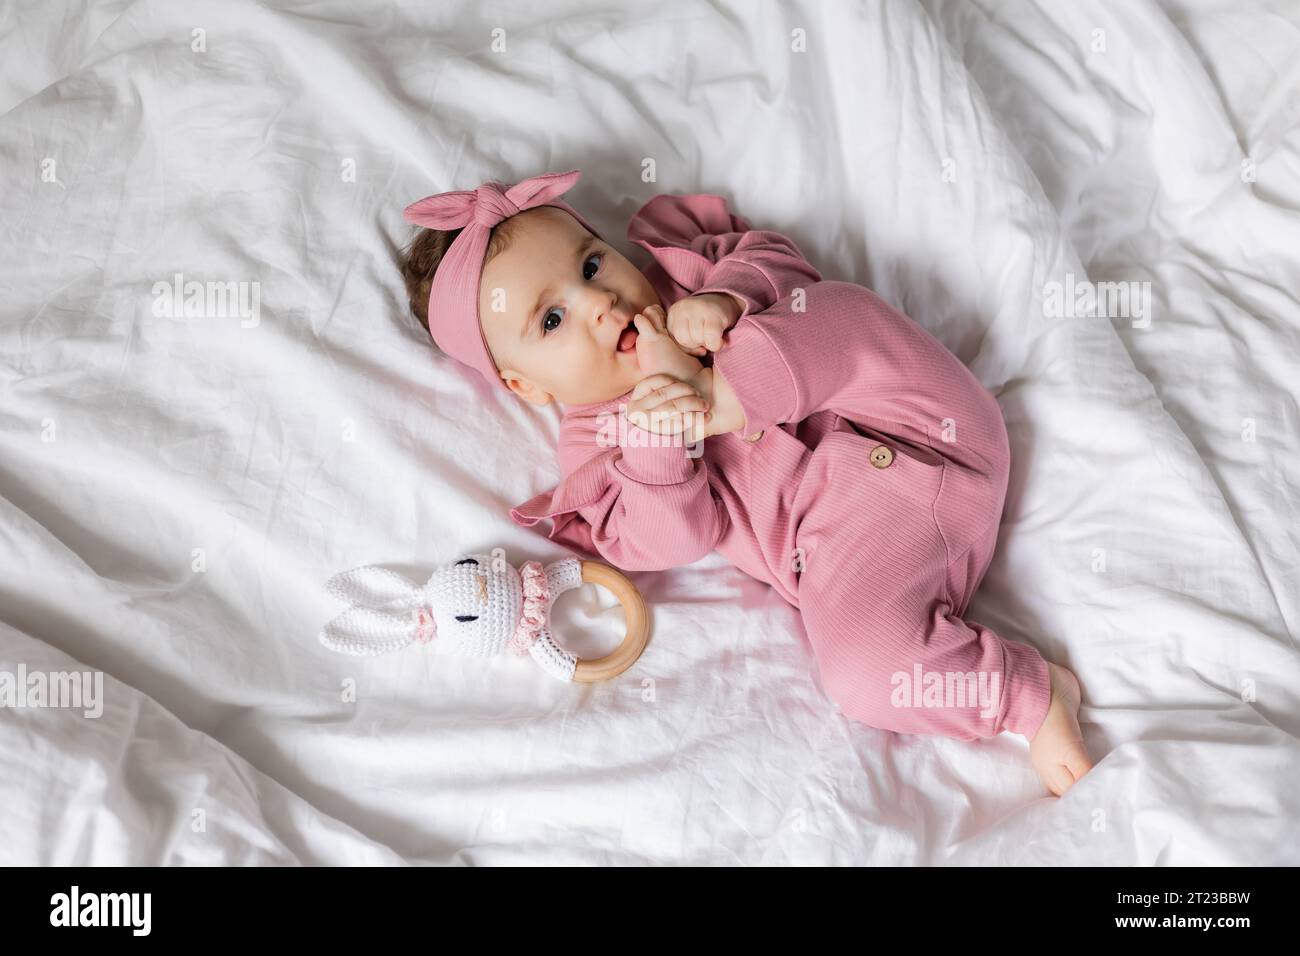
[(527, 390)]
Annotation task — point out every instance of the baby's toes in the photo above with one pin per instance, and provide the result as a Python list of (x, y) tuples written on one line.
[(645, 327), (1056, 778), (1063, 770), (1076, 759)]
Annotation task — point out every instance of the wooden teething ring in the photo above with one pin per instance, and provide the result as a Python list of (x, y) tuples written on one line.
[(635, 614)]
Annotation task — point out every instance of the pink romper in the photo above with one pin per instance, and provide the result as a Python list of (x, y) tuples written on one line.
[(867, 487)]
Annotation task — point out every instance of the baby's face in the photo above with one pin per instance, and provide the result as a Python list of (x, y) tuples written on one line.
[(553, 306)]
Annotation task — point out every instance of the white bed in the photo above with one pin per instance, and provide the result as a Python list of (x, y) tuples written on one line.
[(957, 157)]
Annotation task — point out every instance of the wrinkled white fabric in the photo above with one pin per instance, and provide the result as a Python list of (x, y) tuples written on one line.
[(173, 490)]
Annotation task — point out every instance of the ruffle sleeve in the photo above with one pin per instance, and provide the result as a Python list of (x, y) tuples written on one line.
[(644, 506), (701, 246)]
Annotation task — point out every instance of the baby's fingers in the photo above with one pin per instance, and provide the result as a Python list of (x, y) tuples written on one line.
[(693, 402), (659, 389), (662, 406), (696, 337), (713, 336), (671, 417), (679, 328), (653, 383), (702, 330)]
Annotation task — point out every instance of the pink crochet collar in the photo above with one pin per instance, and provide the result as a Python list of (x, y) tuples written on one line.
[(536, 608)]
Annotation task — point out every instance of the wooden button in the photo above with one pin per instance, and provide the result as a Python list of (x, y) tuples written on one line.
[(755, 437), (882, 457)]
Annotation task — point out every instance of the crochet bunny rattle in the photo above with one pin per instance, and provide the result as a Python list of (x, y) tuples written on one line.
[(480, 606)]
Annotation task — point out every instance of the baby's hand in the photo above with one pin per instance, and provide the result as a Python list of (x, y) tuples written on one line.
[(668, 406), (698, 322), (656, 352)]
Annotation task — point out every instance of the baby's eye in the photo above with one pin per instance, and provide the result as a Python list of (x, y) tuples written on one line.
[(546, 319)]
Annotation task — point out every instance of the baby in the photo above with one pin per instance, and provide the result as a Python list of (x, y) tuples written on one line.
[(848, 459)]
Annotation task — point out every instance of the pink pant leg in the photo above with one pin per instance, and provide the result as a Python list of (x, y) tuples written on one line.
[(1024, 675), (968, 511), (882, 595), (910, 664)]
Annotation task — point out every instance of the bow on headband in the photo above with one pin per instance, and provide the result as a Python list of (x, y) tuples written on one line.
[(454, 295)]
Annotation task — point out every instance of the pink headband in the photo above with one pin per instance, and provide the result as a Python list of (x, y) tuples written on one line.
[(453, 299)]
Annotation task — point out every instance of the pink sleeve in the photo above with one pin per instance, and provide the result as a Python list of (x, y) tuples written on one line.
[(641, 507), (660, 511), (703, 247), (848, 352)]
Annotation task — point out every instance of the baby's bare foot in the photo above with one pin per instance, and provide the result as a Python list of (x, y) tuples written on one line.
[(657, 352), (1057, 750)]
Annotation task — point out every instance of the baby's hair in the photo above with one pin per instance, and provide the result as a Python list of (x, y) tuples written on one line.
[(422, 256)]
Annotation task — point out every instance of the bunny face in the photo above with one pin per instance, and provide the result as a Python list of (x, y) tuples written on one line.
[(476, 603)]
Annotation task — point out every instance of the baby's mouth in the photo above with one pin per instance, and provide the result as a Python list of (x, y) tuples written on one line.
[(627, 339)]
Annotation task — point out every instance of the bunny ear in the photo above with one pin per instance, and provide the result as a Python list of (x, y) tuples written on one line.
[(371, 586), (365, 632)]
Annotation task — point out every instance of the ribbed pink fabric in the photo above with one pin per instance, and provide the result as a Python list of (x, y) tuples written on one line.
[(881, 562)]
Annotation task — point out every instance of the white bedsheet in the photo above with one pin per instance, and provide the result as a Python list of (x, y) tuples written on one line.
[(957, 157)]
